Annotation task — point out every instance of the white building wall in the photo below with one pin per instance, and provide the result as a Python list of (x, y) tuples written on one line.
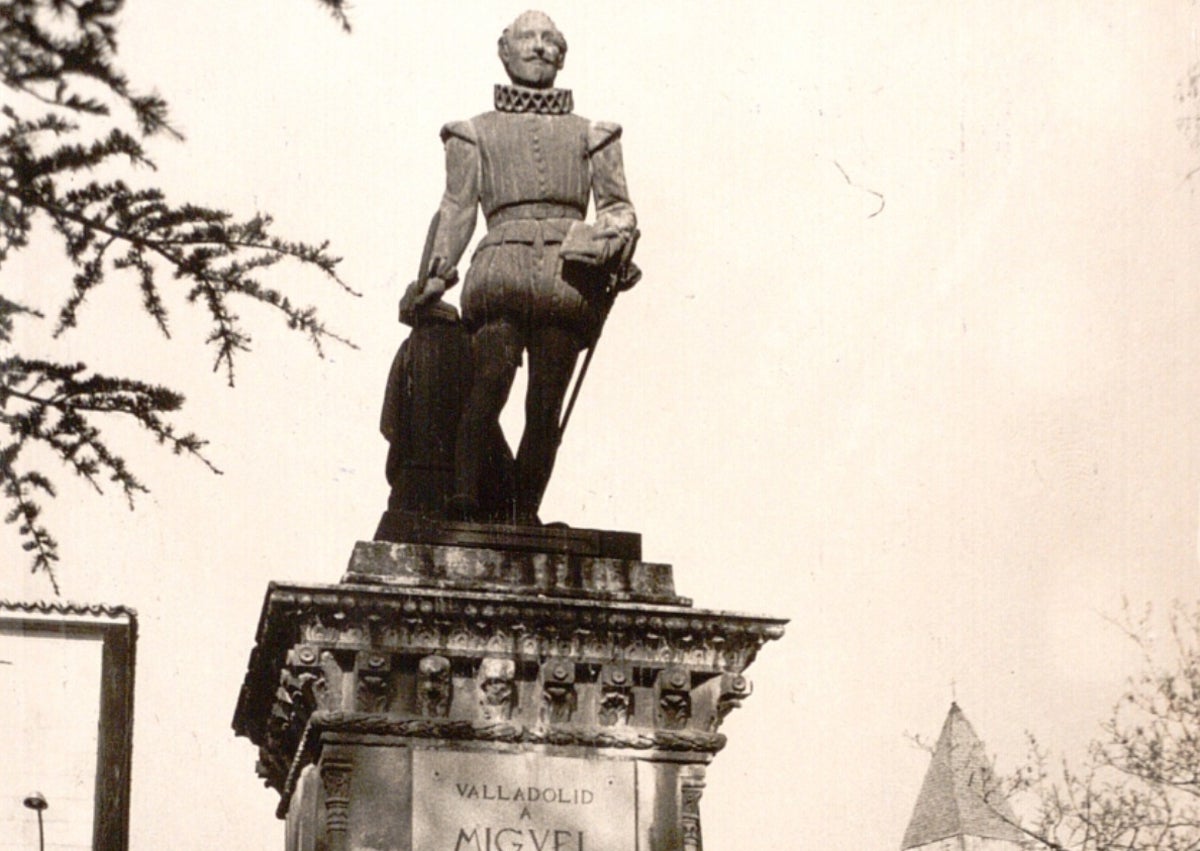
[(49, 718)]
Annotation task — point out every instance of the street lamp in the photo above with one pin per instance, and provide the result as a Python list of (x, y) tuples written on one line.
[(37, 802)]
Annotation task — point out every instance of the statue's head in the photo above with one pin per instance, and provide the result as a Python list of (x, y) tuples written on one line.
[(532, 50)]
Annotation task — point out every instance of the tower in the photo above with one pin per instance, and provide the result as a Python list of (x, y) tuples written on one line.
[(959, 808)]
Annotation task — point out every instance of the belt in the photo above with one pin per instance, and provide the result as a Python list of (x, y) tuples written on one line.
[(535, 210)]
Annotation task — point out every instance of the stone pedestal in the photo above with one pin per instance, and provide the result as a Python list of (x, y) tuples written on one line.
[(501, 689)]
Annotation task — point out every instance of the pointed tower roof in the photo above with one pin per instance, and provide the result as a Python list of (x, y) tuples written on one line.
[(952, 802)]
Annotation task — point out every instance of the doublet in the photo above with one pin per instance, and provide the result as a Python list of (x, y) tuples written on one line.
[(530, 165)]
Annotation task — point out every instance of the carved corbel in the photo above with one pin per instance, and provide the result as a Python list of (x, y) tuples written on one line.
[(373, 678), (434, 686), (497, 688), (304, 686), (732, 690), (297, 680), (674, 698), (314, 678), (616, 695), (558, 691)]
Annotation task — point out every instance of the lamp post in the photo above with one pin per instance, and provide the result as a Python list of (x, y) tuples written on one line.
[(37, 802)]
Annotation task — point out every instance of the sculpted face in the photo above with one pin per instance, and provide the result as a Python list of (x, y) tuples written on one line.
[(532, 50)]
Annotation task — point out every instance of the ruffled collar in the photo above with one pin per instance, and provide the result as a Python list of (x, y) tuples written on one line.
[(538, 101)]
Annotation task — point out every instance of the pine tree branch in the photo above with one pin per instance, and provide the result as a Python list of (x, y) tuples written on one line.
[(338, 9), (9, 310), (193, 240), (98, 394), (32, 57), (59, 55), (25, 513), (49, 404)]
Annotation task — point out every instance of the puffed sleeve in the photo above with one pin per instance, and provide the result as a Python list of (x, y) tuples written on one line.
[(613, 207), (461, 196)]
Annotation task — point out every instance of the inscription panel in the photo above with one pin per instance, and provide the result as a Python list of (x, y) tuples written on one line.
[(465, 801)]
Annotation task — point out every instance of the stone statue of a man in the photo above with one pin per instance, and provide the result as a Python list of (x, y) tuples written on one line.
[(537, 281)]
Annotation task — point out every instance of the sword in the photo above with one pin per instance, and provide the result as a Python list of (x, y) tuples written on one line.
[(623, 277)]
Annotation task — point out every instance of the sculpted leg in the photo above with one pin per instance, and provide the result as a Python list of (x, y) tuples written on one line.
[(495, 356), (552, 355)]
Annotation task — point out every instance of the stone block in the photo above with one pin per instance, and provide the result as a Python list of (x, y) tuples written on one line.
[(516, 571)]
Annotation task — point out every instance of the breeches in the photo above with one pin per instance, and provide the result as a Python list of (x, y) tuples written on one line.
[(528, 286)]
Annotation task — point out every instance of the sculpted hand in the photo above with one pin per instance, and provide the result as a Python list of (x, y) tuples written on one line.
[(415, 298), (613, 241), (442, 277), (629, 276), (435, 288), (591, 245)]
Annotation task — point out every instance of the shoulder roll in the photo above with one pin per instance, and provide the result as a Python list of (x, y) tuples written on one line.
[(459, 130), (601, 134)]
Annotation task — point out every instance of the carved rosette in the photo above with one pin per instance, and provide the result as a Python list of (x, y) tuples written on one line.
[(452, 665)]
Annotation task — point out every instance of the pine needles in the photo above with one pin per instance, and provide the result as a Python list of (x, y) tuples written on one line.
[(57, 58)]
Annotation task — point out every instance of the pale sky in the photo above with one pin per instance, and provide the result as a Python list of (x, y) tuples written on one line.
[(944, 437)]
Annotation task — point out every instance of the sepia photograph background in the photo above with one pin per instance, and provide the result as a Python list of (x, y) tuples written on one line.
[(915, 363)]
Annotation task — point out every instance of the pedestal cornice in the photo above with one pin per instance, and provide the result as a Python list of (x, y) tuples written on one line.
[(406, 649)]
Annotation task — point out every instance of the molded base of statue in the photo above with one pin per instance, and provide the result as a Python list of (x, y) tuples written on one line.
[(446, 697), (411, 527)]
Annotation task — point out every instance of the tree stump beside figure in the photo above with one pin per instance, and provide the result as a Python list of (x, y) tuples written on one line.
[(426, 389)]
